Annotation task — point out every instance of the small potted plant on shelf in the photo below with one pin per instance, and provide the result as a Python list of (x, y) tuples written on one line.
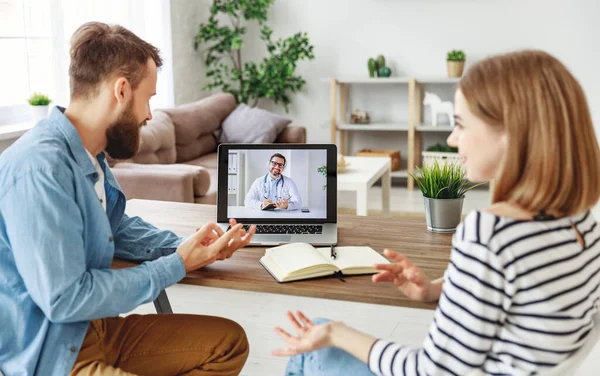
[(455, 63), (377, 67), (443, 188), (39, 103)]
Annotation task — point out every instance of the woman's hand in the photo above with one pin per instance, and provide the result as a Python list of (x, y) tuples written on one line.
[(409, 278), (311, 337)]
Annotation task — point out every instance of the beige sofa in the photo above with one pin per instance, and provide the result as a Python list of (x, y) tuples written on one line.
[(177, 160)]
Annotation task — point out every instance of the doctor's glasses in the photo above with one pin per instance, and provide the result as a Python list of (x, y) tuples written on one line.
[(280, 165)]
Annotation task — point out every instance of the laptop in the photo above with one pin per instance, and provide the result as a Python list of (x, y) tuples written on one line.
[(288, 190)]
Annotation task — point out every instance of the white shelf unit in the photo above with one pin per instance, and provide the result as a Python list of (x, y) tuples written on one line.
[(431, 128), (414, 127), (235, 177), (374, 127)]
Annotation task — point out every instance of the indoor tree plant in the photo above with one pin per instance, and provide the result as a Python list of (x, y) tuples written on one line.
[(38, 104), (455, 63), (248, 81), (443, 188)]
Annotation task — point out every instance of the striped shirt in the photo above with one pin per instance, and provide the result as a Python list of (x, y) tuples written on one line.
[(518, 298)]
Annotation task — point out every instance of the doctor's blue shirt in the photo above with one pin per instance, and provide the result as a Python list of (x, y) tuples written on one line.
[(56, 248), (272, 193)]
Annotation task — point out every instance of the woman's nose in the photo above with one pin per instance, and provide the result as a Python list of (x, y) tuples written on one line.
[(452, 140)]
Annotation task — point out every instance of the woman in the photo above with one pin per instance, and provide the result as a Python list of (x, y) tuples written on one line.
[(522, 283)]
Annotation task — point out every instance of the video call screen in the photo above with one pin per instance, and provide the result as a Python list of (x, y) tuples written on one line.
[(277, 183)]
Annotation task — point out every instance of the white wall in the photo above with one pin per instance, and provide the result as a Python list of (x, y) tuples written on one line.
[(414, 35), (317, 193), (188, 64)]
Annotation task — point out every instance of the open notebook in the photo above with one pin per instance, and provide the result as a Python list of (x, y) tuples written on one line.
[(296, 261)]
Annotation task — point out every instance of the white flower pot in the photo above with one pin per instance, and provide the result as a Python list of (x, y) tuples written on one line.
[(39, 112)]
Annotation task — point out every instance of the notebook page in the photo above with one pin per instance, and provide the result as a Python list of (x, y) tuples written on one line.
[(295, 256), (353, 257)]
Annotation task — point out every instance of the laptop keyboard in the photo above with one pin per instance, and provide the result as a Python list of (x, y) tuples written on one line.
[(286, 229)]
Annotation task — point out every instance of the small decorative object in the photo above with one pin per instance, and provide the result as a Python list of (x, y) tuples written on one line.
[(38, 105), (341, 163), (455, 63), (380, 61), (377, 67), (443, 189), (438, 107), (385, 72), (372, 64), (359, 117), (394, 155)]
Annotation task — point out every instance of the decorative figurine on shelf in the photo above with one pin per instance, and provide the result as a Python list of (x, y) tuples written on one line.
[(439, 107), (378, 68), (359, 117)]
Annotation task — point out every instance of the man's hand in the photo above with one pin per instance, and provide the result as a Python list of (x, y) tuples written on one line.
[(210, 243), (265, 203), (282, 204)]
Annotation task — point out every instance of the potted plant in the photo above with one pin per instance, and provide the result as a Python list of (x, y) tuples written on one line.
[(443, 188), (441, 153), (39, 103), (273, 77), (455, 63)]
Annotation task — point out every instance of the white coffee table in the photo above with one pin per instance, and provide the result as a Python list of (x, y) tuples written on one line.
[(361, 174)]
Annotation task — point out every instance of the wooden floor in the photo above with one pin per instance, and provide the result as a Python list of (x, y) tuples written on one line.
[(258, 313)]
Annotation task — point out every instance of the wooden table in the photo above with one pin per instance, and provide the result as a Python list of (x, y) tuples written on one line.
[(429, 251)]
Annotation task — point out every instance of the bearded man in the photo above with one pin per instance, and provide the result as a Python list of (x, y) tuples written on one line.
[(62, 221)]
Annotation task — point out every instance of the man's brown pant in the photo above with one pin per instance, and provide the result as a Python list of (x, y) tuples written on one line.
[(165, 344)]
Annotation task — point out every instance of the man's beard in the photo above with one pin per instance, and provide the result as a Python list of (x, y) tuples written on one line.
[(123, 137)]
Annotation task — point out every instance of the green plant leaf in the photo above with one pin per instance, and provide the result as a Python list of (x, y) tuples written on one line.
[(273, 77), (456, 55), (445, 181), (39, 99)]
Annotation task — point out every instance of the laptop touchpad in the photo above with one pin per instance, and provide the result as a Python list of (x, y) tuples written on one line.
[(271, 238)]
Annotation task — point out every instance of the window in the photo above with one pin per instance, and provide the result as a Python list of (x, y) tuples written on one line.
[(25, 43), (34, 40)]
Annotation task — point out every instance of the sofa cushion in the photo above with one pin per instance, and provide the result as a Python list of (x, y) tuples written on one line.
[(157, 142), (196, 122), (252, 125), (206, 161)]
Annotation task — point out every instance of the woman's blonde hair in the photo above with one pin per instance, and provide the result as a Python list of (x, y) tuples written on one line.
[(552, 161)]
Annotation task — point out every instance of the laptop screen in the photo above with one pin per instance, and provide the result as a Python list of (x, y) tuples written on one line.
[(276, 183)]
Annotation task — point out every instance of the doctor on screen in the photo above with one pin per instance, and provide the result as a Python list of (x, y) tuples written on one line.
[(274, 188)]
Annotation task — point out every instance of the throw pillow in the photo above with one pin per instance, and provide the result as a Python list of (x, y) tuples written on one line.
[(252, 125)]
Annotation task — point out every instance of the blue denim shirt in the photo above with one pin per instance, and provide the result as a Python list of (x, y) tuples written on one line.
[(56, 248)]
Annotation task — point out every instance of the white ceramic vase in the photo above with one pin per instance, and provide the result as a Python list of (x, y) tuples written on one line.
[(38, 112)]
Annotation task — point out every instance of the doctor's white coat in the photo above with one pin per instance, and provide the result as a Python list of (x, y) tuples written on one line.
[(258, 191)]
